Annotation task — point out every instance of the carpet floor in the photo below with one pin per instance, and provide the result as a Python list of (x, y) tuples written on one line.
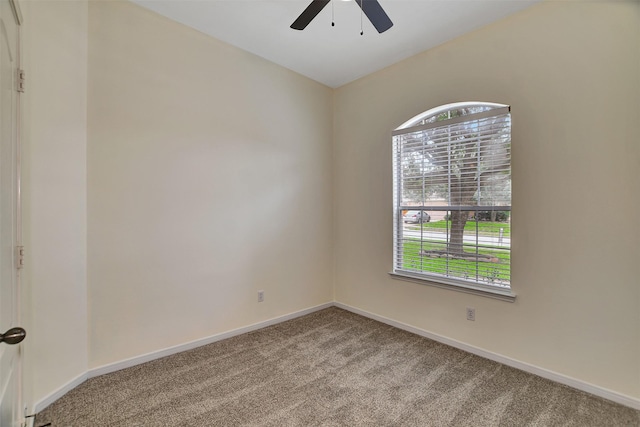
[(329, 368)]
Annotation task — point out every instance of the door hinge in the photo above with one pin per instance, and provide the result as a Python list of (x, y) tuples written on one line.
[(19, 257), (21, 80)]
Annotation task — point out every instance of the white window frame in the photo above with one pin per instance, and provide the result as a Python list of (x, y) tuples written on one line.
[(416, 125)]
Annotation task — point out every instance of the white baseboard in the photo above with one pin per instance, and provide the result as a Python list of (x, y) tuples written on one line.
[(112, 367), (57, 394), (544, 373), (532, 369)]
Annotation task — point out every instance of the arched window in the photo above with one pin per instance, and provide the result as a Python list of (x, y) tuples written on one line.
[(452, 197)]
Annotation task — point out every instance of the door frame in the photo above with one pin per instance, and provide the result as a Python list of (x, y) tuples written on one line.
[(17, 223)]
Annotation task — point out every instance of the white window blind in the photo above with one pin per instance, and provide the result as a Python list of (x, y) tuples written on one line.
[(455, 166)]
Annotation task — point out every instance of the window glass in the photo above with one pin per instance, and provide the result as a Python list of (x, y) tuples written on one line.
[(454, 164)]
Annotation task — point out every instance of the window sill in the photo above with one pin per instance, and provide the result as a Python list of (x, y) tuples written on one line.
[(456, 285)]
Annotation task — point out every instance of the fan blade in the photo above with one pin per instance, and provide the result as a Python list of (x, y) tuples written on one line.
[(309, 13), (376, 14)]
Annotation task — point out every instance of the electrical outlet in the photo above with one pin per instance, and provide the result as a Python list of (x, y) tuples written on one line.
[(471, 314), (260, 296)]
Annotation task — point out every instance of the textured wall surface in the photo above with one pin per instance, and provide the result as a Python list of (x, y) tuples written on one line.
[(169, 177), (209, 176), (570, 72), (55, 195)]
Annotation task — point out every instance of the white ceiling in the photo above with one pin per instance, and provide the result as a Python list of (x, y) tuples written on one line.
[(334, 55)]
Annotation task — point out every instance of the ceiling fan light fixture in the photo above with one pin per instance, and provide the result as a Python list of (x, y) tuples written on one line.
[(371, 8)]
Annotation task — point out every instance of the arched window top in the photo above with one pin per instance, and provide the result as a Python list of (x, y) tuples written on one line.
[(445, 112), (452, 169)]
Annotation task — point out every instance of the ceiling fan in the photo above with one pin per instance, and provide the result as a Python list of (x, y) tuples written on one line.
[(371, 8)]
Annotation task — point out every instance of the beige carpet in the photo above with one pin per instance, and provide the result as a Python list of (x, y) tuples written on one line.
[(330, 368)]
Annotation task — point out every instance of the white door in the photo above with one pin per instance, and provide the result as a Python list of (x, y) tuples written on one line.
[(10, 333)]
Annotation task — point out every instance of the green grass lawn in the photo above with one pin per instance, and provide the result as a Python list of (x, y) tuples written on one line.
[(485, 228), (487, 272)]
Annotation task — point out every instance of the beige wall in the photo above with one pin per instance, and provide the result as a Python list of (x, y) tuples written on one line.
[(570, 72), (54, 195), (209, 174)]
